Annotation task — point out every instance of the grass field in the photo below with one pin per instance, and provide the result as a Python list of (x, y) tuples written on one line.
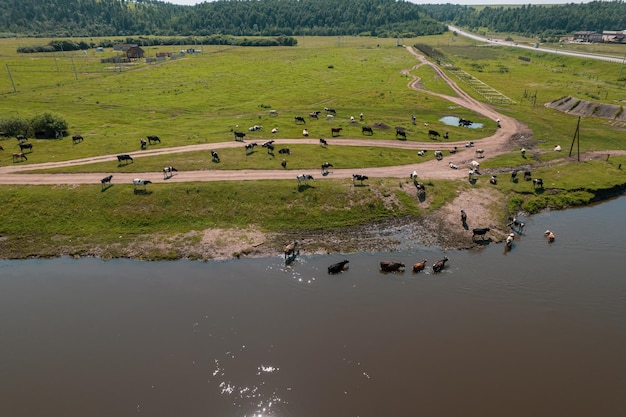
[(203, 98)]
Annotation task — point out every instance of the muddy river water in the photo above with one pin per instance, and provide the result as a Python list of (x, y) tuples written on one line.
[(537, 331)]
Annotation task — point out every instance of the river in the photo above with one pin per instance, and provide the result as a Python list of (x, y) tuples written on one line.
[(536, 331)]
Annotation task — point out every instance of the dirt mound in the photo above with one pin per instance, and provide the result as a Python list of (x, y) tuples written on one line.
[(573, 105), (380, 125)]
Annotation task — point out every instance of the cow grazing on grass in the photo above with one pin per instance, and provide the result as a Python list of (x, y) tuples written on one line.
[(367, 129), (24, 146), (299, 119), (303, 179), (239, 135), (19, 157), (359, 177), (124, 158), (538, 183), (106, 181), (138, 182)]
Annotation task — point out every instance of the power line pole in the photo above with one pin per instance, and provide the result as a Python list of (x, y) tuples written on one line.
[(11, 78), (576, 139)]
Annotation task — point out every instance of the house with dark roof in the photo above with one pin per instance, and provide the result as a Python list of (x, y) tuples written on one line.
[(135, 52)]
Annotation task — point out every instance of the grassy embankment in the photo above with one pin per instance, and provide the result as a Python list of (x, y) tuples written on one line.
[(202, 98)]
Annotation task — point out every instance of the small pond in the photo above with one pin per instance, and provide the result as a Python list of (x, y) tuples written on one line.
[(454, 121)]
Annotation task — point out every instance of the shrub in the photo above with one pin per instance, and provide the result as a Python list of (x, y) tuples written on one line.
[(46, 125), (14, 126)]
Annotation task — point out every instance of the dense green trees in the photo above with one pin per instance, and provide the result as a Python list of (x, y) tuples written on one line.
[(535, 20), (42, 126), (65, 18)]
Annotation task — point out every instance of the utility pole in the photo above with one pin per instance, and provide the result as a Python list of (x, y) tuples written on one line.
[(11, 78), (576, 139)]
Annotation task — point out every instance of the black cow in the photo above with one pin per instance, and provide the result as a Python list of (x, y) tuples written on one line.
[(239, 135), (433, 134), (527, 175), (338, 267), (126, 158), (284, 151), (28, 146), (367, 129), (299, 119), (480, 232), (323, 142), (154, 139), (106, 180), (538, 182), (400, 132), (77, 138), (21, 138)]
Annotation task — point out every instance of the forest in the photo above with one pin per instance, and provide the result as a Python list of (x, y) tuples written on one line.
[(287, 18), (543, 21), (74, 18)]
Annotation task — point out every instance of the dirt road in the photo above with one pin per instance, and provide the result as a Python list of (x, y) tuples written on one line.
[(494, 145)]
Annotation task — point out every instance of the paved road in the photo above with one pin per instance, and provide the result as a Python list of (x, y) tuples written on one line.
[(599, 57)]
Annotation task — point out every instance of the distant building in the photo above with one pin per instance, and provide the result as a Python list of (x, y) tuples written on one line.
[(124, 46), (135, 52), (614, 36), (587, 36)]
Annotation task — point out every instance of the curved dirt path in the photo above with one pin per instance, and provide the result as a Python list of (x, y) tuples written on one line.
[(493, 145)]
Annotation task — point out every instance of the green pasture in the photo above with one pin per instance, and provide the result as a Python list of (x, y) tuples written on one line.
[(202, 98), (301, 157), (76, 219), (565, 185)]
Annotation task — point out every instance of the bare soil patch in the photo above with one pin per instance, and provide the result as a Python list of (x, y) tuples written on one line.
[(579, 107)]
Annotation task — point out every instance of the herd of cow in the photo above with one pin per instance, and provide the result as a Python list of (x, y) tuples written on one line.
[(303, 179), (391, 266)]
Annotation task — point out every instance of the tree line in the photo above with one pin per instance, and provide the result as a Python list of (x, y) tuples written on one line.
[(61, 45), (543, 21), (85, 18)]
